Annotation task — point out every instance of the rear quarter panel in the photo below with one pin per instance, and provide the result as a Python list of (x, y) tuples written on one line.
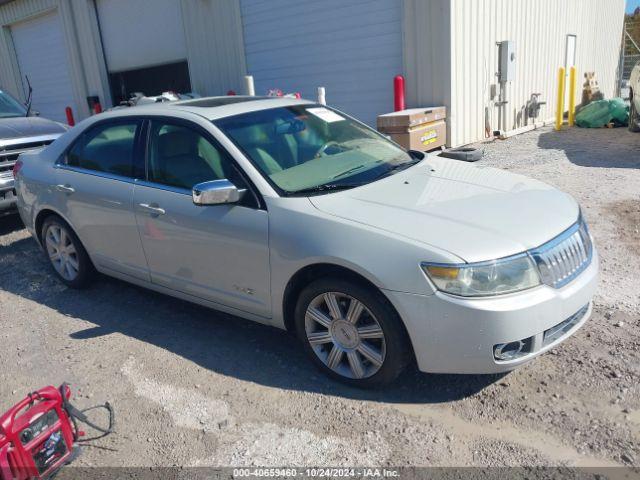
[(36, 178), (33, 187)]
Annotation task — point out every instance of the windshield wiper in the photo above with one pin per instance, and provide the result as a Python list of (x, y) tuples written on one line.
[(355, 169), (327, 187), (398, 168)]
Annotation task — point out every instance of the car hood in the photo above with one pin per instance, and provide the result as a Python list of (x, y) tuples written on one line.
[(18, 127), (476, 213)]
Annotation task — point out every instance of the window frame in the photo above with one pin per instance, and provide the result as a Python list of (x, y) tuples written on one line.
[(258, 202), (63, 162)]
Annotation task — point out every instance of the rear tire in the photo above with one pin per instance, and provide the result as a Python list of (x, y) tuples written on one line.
[(351, 333), (65, 252), (634, 118)]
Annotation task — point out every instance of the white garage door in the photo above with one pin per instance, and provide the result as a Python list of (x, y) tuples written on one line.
[(354, 49), (42, 56), (137, 34)]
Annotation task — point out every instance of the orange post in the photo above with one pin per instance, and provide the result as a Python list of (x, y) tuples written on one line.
[(398, 93), (70, 121)]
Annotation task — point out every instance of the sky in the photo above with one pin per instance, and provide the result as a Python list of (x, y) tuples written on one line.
[(632, 4)]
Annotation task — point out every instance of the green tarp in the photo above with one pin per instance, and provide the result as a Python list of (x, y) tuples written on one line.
[(602, 112)]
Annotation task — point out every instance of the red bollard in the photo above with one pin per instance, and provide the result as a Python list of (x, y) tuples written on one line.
[(70, 121), (398, 93)]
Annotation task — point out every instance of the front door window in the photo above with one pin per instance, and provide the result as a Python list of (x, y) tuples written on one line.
[(181, 157)]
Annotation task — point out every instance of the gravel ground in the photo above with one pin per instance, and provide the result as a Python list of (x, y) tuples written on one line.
[(199, 388)]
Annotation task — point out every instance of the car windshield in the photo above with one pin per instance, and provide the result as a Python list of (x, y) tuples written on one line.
[(311, 148), (10, 107)]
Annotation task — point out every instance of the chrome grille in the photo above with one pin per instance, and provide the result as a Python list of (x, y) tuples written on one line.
[(9, 154), (565, 257)]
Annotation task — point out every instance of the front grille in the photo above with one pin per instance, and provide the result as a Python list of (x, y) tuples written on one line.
[(9, 154), (561, 329), (565, 257)]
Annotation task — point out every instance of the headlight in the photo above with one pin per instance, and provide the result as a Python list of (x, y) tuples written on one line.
[(482, 279)]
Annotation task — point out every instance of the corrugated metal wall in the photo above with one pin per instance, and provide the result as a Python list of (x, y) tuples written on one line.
[(87, 34), (539, 29), (427, 52), (213, 31)]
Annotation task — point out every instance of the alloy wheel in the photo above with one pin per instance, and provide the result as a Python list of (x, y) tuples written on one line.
[(62, 252), (345, 335)]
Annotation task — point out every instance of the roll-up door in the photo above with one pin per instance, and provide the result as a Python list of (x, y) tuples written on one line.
[(353, 49), (144, 46), (42, 56)]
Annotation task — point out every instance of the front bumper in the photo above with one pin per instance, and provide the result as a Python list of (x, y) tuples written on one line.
[(7, 194), (457, 335)]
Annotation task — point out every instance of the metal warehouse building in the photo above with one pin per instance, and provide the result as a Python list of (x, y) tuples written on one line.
[(76, 50)]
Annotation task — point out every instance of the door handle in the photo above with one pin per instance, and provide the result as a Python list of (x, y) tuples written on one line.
[(153, 209), (65, 189)]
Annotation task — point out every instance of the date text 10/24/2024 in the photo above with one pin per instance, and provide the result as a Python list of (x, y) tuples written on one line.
[(316, 472)]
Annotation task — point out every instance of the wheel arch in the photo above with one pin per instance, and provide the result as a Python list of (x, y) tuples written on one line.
[(41, 216), (307, 274)]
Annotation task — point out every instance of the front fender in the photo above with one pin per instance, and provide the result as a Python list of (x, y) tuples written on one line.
[(300, 236)]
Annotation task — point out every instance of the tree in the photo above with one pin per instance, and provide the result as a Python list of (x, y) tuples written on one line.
[(632, 26)]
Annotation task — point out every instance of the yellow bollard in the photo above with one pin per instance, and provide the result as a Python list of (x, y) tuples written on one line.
[(572, 96), (560, 104)]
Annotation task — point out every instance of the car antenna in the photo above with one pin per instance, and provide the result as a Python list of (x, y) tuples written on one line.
[(29, 95)]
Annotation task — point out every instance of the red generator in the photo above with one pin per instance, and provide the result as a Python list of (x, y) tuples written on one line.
[(37, 435)]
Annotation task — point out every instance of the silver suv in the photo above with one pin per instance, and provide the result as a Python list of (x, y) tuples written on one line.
[(295, 215), (19, 133)]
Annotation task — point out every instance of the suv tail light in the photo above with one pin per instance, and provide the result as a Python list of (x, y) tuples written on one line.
[(16, 168)]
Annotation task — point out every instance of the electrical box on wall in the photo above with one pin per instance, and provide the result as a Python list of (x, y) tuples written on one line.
[(506, 61)]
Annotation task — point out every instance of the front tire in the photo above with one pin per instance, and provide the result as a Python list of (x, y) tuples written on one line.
[(351, 333), (66, 254)]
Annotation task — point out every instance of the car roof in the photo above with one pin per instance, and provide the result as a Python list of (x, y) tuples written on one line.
[(213, 108)]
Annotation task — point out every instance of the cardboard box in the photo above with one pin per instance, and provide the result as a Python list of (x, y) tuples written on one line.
[(423, 137), (404, 119)]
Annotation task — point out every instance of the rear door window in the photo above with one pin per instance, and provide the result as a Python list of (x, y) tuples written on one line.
[(107, 148)]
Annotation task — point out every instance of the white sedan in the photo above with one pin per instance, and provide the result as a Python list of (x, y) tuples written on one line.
[(295, 215)]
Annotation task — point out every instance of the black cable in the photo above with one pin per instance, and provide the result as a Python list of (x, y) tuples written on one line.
[(105, 432), (79, 415)]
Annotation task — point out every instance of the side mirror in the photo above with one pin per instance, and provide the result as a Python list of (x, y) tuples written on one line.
[(216, 192)]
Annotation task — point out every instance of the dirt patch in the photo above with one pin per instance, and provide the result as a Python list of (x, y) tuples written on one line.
[(627, 219)]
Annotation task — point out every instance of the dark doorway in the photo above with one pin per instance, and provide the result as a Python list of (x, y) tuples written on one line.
[(150, 81)]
